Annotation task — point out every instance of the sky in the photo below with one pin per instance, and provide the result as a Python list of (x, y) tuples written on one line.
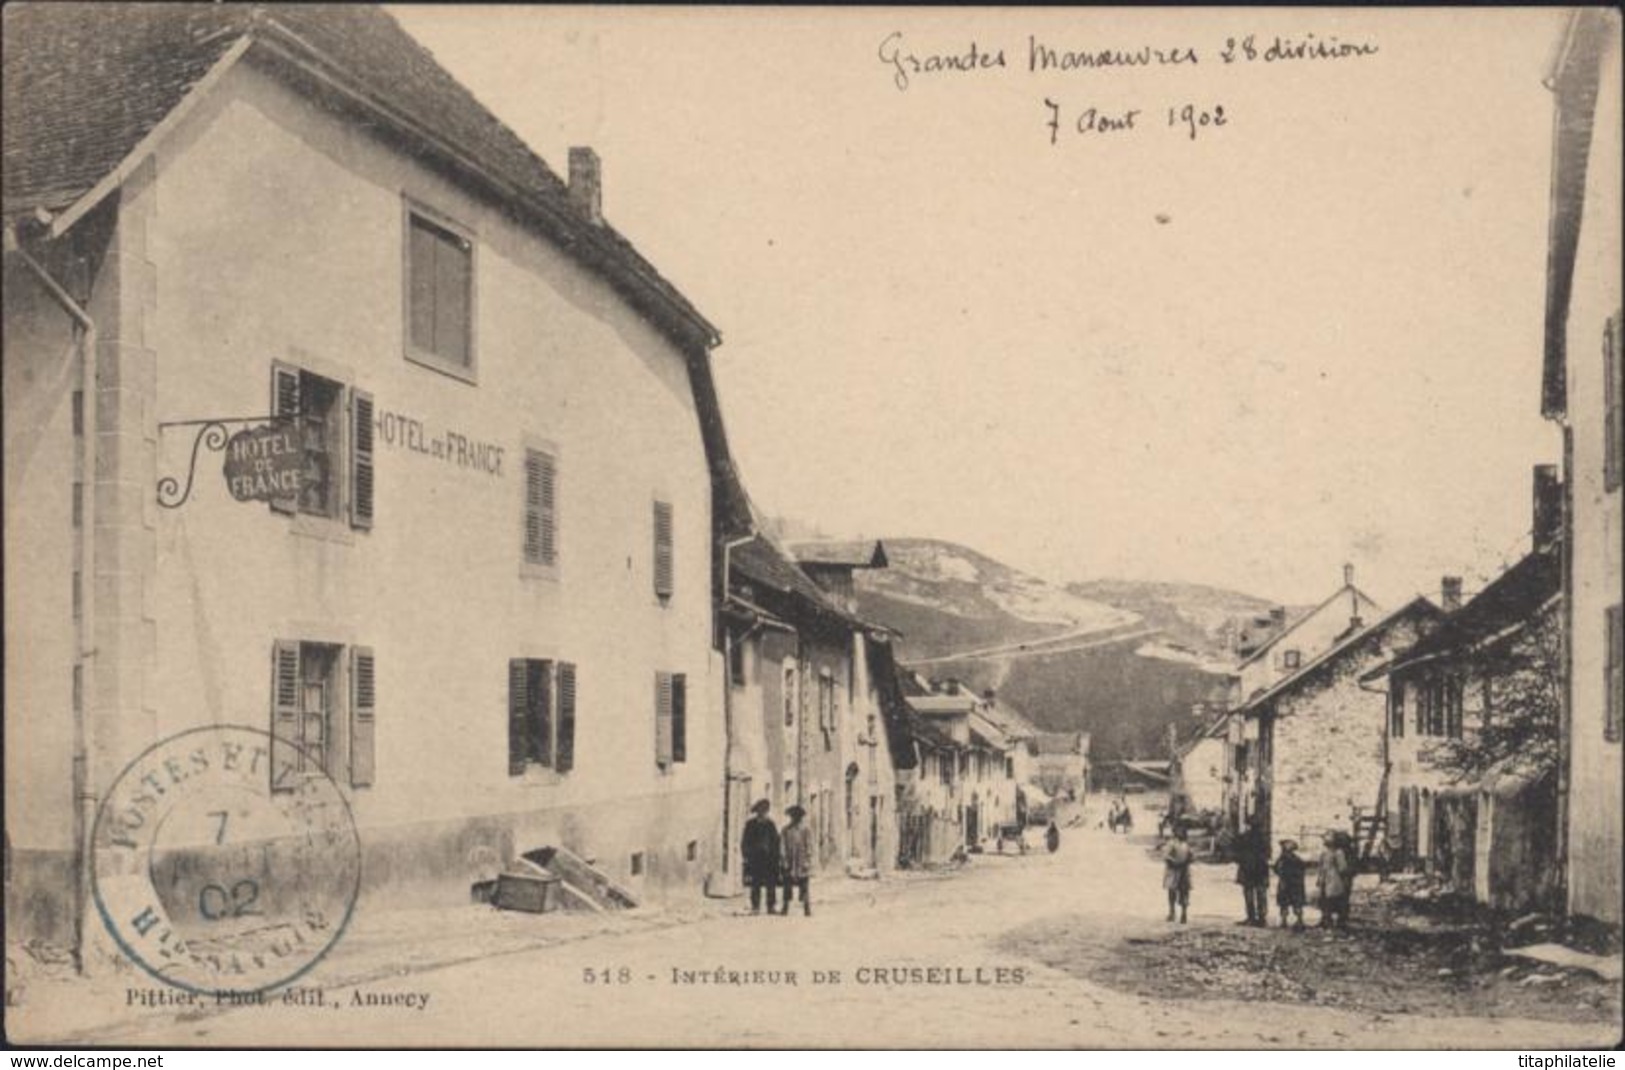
[(957, 308)]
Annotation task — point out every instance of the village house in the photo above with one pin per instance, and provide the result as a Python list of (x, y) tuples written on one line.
[(1494, 660), (930, 811), (1201, 767), (831, 566), (1062, 762), (985, 784), (1270, 654), (473, 599), (806, 722), (1021, 759), (1583, 393), (1311, 753)]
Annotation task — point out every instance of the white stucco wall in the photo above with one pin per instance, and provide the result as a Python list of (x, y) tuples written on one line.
[(1595, 801), (276, 234)]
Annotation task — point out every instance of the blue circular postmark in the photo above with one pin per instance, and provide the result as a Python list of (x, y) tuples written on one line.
[(225, 862)]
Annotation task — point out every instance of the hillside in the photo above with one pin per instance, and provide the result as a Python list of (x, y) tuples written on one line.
[(1190, 614), (1119, 659)]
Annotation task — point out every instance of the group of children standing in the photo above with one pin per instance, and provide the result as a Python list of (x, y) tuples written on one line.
[(1334, 878)]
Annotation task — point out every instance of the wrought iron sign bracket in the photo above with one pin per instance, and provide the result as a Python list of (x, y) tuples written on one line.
[(211, 433)]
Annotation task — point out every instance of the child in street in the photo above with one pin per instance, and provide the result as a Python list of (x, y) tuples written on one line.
[(1176, 876), (1289, 889)]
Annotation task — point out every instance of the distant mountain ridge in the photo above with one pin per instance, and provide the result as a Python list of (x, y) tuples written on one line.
[(1120, 659)]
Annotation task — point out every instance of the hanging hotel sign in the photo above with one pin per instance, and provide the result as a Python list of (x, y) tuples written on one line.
[(263, 463)]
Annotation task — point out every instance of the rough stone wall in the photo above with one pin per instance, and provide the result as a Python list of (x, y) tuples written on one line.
[(1328, 745)]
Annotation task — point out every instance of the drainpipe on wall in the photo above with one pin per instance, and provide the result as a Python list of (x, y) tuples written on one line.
[(1387, 760), (84, 631), (727, 698)]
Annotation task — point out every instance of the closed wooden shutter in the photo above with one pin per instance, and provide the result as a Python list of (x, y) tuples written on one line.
[(1613, 385), (518, 714), (663, 711), (363, 715), (285, 403), (566, 757), (663, 550), (541, 508), (1614, 674), (285, 691), (361, 467), (679, 718)]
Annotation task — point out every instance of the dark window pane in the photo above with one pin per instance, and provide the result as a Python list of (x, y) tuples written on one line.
[(421, 285), (451, 301)]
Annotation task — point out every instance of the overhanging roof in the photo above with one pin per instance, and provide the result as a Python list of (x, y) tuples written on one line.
[(89, 88)]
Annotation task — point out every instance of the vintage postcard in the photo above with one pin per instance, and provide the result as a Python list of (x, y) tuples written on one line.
[(844, 528)]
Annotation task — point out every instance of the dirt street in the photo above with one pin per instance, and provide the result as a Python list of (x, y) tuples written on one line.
[(1033, 951)]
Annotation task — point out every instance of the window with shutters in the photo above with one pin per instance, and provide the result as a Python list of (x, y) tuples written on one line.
[(439, 274), (1614, 674), (663, 563), (826, 706), (1613, 423), (324, 712), (334, 432), (541, 715), (539, 536), (671, 719)]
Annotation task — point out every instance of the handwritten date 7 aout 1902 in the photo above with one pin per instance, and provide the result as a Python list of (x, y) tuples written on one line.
[(1186, 119)]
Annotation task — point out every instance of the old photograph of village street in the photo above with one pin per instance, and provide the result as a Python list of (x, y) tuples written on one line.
[(776, 528)]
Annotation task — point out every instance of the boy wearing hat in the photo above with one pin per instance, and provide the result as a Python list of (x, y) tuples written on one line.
[(1289, 890), (796, 847), (759, 850)]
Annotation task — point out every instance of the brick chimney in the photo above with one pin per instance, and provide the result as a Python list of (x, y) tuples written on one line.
[(586, 184), (1548, 526), (1450, 593), (1348, 575), (991, 697), (1278, 616)]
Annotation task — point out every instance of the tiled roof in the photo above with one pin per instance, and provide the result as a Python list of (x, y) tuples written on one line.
[(943, 703), (1060, 742), (1360, 599), (761, 563), (1418, 607), (1011, 720), (1512, 599), (862, 554), (86, 82)]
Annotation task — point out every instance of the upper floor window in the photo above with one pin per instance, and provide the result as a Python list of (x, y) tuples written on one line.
[(1396, 710), (1439, 708), (541, 535), (665, 581), (439, 296), (335, 437)]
